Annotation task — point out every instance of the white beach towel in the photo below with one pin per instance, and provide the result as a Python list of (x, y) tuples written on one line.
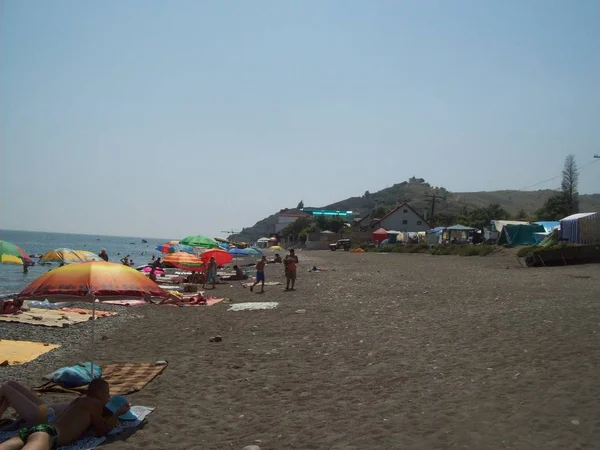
[(250, 306), (90, 442)]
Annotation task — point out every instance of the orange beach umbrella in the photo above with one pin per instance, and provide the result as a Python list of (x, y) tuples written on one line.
[(185, 261)]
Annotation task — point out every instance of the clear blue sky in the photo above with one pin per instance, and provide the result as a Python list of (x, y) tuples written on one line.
[(159, 118)]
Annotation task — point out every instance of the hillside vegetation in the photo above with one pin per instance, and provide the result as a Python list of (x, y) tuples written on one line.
[(449, 206)]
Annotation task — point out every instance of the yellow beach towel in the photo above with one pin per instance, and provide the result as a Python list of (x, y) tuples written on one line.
[(20, 352)]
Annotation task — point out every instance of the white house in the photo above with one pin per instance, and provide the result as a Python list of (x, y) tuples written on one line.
[(405, 219), (287, 217)]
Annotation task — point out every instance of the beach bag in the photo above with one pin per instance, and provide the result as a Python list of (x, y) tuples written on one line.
[(75, 376)]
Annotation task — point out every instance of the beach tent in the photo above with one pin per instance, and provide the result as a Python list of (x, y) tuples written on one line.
[(581, 228), (550, 239), (380, 235), (515, 235)]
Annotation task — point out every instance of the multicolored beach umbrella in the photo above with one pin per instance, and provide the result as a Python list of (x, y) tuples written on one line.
[(184, 261), (13, 254), (199, 241), (168, 247), (88, 256), (62, 255), (253, 251), (221, 256), (89, 281)]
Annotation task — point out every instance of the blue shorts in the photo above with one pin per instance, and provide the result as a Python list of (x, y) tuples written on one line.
[(260, 275)]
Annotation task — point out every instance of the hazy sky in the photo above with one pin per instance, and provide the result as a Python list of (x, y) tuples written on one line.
[(160, 118)]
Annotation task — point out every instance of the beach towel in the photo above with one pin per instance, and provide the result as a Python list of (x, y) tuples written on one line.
[(209, 302), (47, 317), (20, 352), (123, 378), (89, 441), (267, 283), (250, 306), (126, 302)]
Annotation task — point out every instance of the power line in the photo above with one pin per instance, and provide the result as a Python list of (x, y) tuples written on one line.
[(559, 176)]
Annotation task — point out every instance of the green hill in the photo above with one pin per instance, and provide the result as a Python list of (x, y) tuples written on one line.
[(419, 194)]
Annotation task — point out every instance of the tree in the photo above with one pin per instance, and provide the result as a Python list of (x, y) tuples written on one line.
[(521, 215), (554, 208), (482, 216), (321, 222), (379, 212), (300, 205), (336, 224), (570, 178)]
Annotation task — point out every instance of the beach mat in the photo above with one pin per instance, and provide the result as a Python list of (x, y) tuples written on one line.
[(122, 378), (88, 312), (47, 317), (19, 352), (89, 441)]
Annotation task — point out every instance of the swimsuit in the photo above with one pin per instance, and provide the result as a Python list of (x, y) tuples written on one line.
[(24, 433), (47, 414), (260, 275)]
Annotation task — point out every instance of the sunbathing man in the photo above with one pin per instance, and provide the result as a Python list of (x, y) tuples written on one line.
[(176, 298), (260, 274), (11, 306), (30, 408), (239, 275), (72, 424)]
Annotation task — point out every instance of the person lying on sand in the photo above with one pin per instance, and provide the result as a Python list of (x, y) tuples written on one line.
[(29, 407), (174, 299), (12, 306), (239, 275), (72, 423)]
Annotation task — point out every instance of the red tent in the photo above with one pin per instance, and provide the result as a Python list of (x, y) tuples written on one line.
[(380, 235)]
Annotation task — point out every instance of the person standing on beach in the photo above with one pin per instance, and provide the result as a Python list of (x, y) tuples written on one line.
[(260, 274), (289, 263), (103, 254), (211, 273)]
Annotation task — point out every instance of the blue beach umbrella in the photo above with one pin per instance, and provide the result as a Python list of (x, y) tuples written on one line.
[(238, 252), (253, 251)]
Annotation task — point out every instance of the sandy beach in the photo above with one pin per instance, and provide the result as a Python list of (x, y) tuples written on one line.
[(380, 351)]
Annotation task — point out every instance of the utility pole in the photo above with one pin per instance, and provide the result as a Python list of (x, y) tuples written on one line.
[(434, 199)]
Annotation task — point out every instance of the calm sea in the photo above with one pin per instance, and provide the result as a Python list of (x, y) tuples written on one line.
[(12, 278)]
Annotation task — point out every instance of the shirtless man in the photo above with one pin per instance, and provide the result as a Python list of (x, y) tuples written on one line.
[(72, 424), (211, 273), (260, 274), (289, 263)]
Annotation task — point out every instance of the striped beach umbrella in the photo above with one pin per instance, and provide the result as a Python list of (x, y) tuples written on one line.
[(13, 254), (185, 261), (62, 255)]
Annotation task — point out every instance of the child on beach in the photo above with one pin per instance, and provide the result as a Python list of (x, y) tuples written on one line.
[(289, 263), (82, 413), (211, 273), (260, 274)]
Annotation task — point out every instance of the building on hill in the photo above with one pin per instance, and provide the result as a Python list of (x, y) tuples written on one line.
[(287, 217), (405, 219)]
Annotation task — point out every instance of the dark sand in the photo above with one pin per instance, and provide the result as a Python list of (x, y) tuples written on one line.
[(392, 351)]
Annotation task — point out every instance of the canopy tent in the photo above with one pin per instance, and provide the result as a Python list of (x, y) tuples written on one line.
[(380, 235), (522, 234), (581, 228)]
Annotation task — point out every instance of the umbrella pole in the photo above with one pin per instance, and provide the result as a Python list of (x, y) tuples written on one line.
[(93, 336)]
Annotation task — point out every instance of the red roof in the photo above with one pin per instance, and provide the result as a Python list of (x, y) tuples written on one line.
[(380, 231)]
